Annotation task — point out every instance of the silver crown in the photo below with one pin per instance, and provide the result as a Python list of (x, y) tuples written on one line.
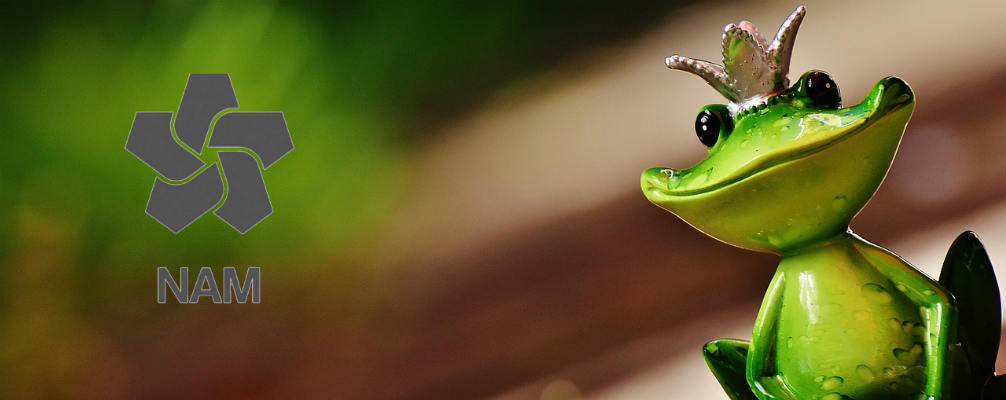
[(752, 69)]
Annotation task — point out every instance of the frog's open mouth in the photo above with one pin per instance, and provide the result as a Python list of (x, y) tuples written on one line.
[(889, 95)]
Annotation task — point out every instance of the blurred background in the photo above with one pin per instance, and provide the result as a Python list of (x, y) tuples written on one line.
[(461, 217)]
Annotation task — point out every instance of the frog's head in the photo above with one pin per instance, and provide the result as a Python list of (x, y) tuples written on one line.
[(787, 166)]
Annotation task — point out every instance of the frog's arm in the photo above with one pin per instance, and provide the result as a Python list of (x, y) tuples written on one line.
[(939, 313), (761, 373)]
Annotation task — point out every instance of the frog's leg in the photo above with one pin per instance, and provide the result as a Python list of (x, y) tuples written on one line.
[(727, 358), (968, 274), (761, 375), (939, 314)]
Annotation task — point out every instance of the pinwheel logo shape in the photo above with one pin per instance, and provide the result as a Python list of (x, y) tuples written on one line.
[(187, 187)]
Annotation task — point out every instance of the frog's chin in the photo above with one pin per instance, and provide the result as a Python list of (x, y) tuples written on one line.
[(798, 193)]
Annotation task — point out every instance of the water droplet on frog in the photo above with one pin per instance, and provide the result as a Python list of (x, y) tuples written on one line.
[(907, 326), (838, 203), (910, 356), (876, 293), (670, 174), (910, 327), (915, 329), (865, 373), (775, 238), (901, 288), (789, 343), (832, 382), (928, 292), (712, 348)]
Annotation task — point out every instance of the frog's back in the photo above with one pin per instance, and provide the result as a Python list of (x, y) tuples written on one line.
[(846, 330)]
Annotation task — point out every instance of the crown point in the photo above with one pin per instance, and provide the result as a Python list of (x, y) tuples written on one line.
[(752, 67)]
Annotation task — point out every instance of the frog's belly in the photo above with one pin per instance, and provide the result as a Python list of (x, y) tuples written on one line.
[(865, 343)]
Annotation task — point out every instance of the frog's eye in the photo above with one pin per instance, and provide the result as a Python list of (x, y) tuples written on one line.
[(822, 90), (710, 122), (707, 127)]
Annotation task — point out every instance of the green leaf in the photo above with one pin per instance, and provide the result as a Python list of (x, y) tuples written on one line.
[(967, 273), (727, 358)]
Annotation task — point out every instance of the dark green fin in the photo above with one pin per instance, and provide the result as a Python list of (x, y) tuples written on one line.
[(727, 358), (967, 273)]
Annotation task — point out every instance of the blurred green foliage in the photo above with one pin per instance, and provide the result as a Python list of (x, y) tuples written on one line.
[(357, 81)]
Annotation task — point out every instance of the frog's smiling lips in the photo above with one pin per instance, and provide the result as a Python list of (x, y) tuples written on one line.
[(889, 95)]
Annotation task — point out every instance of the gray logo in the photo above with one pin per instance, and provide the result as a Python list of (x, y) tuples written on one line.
[(198, 187), (206, 285)]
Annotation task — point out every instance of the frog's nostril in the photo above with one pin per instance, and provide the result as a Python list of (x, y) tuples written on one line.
[(661, 177), (891, 93), (897, 92)]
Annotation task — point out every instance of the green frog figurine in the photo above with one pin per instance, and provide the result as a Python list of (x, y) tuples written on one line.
[(788, 168)]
